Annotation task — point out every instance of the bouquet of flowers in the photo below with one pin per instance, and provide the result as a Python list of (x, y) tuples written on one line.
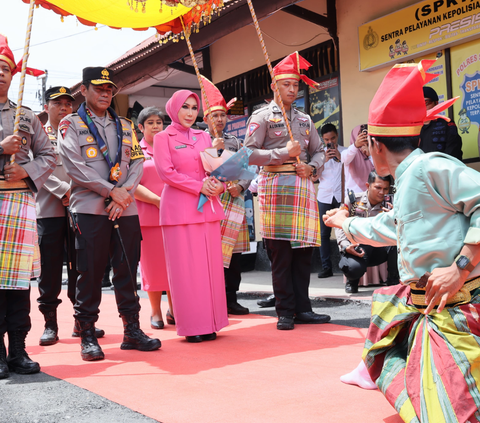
[(228, 167)]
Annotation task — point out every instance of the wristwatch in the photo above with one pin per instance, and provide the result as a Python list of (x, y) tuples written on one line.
[(463, 262), (314, 172)]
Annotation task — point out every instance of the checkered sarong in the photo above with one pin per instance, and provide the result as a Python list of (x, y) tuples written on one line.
[(235, 238), (19, 252), (288, 209)]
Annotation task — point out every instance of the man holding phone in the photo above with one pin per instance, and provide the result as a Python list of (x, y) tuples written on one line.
[(329, 195), (355, 258)]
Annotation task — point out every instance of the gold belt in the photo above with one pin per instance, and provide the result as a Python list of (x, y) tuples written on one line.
[(283, 168), (464, 296), (18, 186)]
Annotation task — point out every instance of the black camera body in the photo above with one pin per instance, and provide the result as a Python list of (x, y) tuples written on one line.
[(358, 249)]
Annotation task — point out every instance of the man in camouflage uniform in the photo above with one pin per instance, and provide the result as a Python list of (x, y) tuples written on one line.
[(101, 155)]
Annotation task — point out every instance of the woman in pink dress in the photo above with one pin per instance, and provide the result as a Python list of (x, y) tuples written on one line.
[(193, 245), (148, 193)]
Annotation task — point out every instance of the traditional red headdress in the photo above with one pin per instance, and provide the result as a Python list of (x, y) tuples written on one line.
[(215, 98), (7, 56), (398, 107), (289, 68)]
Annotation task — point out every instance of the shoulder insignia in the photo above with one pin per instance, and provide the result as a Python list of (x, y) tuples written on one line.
[(252, 128), (275, 120), (22, 112), (49, 129), (23, 127), (275, 109), (62, 128)]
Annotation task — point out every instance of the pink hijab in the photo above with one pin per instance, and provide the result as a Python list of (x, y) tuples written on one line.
[(175, 103)]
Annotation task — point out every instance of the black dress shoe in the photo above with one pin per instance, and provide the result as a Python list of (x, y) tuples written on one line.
[(4, 373), (311, 317), (156, 324), (285, 323), (351, 288), (194, 339), (209, 337), (392, 281), (170, 318), (237, 309), (49, 337), (267, 302), (325, 273)]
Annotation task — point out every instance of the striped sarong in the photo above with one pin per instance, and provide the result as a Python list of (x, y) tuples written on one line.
[(235, 238), (428, 367), (288, 209), (20, 255)]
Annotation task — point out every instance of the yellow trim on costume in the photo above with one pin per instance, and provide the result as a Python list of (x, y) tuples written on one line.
[(390, 131), (287, 76), (9, 62), (214, 109)]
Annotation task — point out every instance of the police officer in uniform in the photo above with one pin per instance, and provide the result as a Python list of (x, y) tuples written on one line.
[(102, 156), (54, 232), (288, 206), (34, 162), (439, 135)]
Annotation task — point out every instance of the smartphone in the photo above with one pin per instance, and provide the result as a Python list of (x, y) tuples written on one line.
[(364, 128)]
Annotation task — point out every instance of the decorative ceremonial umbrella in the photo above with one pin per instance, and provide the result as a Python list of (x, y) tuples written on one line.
[(164, 15)]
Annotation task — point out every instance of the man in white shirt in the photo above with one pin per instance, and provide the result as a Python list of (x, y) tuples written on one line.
[(329, 193)]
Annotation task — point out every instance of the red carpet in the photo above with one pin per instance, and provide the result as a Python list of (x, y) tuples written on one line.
[(251, 373)]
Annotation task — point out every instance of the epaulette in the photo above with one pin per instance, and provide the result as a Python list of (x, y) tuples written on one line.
[(301, 112), (256, 112)]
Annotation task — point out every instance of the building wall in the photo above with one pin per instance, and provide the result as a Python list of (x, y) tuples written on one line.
[(358, 88), (283, 33)]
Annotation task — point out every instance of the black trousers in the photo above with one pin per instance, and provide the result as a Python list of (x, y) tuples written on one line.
[(354, 267), (96, 244), (233, 277), (54, 237), (14, 310), (290, 276)]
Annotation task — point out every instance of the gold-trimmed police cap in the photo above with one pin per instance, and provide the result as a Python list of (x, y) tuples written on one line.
[(55, 92), (98, 76)]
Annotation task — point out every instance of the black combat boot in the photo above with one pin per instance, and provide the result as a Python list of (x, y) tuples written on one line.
[(4, 373), (50, 334), (133, 336), (99, 333), (91, 351), (18, 360)]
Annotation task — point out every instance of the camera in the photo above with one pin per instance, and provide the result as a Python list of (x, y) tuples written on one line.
[(364, 128), (330, 146), (358, 249)]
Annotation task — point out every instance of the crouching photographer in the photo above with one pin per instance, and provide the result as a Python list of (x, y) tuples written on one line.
[(356, 258)]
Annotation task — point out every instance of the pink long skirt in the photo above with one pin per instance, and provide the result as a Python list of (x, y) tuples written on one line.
[(195, 272), (152, 260)]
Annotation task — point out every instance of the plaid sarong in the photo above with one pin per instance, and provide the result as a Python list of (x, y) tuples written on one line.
[(235, 238), (19, 252), (288, 209), (428, 367)]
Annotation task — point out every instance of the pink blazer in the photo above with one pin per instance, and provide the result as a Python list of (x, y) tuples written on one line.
[(178, 163), (149, 214)]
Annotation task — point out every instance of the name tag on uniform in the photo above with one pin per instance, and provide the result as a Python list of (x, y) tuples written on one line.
[(180, 146)]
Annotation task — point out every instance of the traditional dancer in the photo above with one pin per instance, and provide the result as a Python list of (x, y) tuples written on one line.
[(422, 347)]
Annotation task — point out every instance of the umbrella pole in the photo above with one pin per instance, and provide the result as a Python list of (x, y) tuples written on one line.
[(23, 73), (270, 69), (197, 71)]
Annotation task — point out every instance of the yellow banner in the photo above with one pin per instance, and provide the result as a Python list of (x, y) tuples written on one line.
[(416, 30)]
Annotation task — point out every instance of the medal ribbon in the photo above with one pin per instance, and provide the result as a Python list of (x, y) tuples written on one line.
[(86, 116)]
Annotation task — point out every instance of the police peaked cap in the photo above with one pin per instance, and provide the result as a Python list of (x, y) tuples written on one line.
[(59, 91), (98, 76)]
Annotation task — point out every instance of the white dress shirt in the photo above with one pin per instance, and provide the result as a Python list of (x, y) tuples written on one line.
[(330, 182)]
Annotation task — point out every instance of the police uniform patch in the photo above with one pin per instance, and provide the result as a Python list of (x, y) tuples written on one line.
[(49, 129), (275, 120), (51, 137), (91, 152), (127, 152), (303, 119), (307, 131), (278, 133), (24, 141), (252, 128), (64, 124), (23, 127), (126, 141), (90, 138)]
